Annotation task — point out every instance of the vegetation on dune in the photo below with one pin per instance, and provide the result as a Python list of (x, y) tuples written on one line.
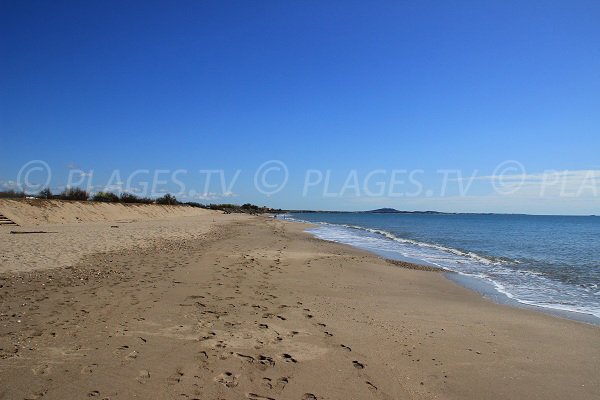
[(45, 193), (105, 196), (12, 194), (78, 194), (167, 199), (74, 193), (245, 208), (132, 198)]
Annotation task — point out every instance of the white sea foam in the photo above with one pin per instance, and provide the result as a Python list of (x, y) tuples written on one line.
[(508, 277)]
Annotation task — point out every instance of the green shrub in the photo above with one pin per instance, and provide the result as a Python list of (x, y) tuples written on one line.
[(128, 198), (132, 198), (105, 196), (167, 199), (74, 194), (45, 193), (222, 206), (194, 204), (8, 194)]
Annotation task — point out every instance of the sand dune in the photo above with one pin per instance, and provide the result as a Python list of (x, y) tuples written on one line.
[(29, 212), (72, 230)]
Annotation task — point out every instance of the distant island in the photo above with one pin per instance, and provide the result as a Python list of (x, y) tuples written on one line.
[(377, 211), (383, 211), (394, 211)]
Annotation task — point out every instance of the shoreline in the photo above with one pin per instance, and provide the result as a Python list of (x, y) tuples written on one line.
[(484, 287), (253, 307), (489, 292)]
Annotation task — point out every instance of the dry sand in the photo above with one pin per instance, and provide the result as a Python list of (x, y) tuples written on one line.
[(71, 230), (248, 307), (30, 212)]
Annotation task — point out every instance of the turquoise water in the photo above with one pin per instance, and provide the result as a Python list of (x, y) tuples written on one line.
[(547, 261)]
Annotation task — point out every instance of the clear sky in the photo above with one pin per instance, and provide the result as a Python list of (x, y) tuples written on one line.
[(98, 86)]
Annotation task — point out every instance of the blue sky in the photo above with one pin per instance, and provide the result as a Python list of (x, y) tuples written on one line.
[(328, 86)]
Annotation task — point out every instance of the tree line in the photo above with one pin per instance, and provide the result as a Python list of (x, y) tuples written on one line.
[(78, 194)]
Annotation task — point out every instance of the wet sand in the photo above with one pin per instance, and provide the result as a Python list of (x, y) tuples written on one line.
[(249, 307)]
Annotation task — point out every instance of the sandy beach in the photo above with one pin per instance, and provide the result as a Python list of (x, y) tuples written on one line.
[(201, 305)]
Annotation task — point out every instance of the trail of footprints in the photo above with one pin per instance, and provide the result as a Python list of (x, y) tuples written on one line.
[(216, 309), (234, 277)]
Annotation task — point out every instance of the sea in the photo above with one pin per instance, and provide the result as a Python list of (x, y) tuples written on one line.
[(551, 262)]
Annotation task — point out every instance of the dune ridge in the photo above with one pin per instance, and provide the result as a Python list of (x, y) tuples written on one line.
[(26, 212)]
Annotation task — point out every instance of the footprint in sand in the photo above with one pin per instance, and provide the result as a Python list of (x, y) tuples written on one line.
[(345, 347), (38, 393), (358, 365), (176, 377), (43, 369), (202, 356), (267, 383), (143, 376), (131, 356), (281, 382), (266, 361), (254, 396), (122, 348), (288, 358), (246, 358), (88, 369), (309, 396), (228, 379)]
